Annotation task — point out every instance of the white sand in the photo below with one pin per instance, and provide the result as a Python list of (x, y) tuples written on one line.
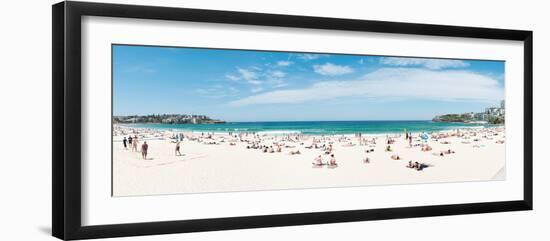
[(222, 167)]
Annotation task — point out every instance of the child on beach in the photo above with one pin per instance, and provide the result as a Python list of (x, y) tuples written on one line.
[(332, 160), (144, 148)]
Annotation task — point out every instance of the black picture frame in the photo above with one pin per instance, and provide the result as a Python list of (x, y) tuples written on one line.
[(66, 127)]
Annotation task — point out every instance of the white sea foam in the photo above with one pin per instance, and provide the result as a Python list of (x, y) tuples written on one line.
[(279, 132)]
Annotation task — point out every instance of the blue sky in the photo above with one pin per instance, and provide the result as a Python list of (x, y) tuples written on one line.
[(239, 85)]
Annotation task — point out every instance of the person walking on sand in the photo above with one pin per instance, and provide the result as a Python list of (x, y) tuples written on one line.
[(144, 148), (124, 143), (178, 153), (135, 143)]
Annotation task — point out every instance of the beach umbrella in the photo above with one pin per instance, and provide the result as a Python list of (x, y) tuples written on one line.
[(424, 136)]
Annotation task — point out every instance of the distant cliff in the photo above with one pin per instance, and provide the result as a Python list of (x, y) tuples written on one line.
[(491, 115), (452, 118), (469, 118), (167, 119)]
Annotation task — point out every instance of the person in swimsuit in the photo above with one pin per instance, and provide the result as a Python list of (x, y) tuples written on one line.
[(135, 142), (124, 143), (144, 148), (318, 161), (333, 160), (178, 153)]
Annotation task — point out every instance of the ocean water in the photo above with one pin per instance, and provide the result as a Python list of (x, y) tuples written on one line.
[(315, 127)]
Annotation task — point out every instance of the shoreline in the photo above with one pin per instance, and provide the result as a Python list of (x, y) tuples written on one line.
[(297, 132)]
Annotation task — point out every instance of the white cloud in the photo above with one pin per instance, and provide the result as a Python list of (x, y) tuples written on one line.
[(247, 74), (277, 83), (387, 83), (310, 56), (284, 63), (254, 82), (277, 74), (332, 69), (427, 63), (258, 78), (232, 77), (258, 89), (217, 92), (233, 90)]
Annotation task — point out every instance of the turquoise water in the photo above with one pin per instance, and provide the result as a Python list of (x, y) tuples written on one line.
[(315, 127)]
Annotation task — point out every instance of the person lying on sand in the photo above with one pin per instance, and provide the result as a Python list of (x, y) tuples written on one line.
[(369, 151), (426, 148), (348, 144), (421, 166), (395, 157), (297, 152), (388, 148), (416, 165)]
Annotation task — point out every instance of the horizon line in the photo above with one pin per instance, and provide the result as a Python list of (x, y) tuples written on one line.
[(320, 120)]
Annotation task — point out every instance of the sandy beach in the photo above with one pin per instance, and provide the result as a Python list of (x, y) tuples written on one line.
[(220, 162)]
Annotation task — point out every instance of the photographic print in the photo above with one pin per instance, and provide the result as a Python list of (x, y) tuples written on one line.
[(202, 120)]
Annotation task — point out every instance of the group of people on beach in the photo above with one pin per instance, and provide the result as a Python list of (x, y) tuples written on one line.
[(417, 165), (133, 142), (324, 145), (318, 161)]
